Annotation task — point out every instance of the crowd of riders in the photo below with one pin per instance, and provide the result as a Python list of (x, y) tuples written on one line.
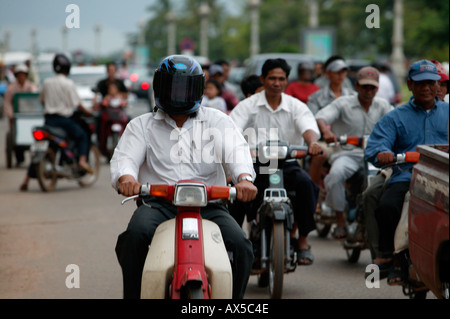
[(314, 110)]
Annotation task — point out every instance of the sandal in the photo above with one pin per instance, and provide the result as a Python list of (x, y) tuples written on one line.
[(395, 276), (339, 232), (303, 254)]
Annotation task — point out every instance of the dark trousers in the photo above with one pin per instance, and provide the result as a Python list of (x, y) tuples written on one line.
[(132, 245), (296, 180), (73, 130), (388, 215)]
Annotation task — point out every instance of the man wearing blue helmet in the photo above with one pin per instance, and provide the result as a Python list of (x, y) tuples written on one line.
[(423, 120), (166, 146)]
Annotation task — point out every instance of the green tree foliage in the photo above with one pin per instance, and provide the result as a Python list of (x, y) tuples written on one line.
[(426, 27)]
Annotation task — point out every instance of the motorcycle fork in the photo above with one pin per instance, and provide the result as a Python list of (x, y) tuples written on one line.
[(189, 255)]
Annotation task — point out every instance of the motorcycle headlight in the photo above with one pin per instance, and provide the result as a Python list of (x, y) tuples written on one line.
[(275, 152), (190, 195)]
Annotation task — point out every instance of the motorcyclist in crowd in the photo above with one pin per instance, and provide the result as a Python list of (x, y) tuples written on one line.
[(102, 88), (334, 83), (295, 123), (59, 97), (303, 87), (423, 120), (373, 193), (443, 82), (217, 73), (102, 85), (336, 70), (250, 85), (146, 153), (20, 85), (353, 115)]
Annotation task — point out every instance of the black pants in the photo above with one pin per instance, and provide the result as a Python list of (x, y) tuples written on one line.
[(132, 245), (297, 181), (388, 215)]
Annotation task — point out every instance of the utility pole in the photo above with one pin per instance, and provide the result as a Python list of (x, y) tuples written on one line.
[(397, 57), (313, 14), (204, 11), (97, 30), (254, 17), (171, 32)]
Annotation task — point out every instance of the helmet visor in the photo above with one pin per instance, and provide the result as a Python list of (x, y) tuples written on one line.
[(179, 91)]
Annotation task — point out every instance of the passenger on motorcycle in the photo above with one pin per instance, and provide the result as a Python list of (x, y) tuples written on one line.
[(423, 120), (272, 109), (59, 96), (353, 115), (163, 147), (115, 100)]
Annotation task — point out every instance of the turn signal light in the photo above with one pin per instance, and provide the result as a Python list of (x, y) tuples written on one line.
[(354, 140), (161, 190)]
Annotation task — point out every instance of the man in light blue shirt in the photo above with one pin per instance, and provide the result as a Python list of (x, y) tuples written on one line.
[(423, 120)]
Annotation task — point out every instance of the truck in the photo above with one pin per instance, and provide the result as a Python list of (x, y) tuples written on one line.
[(428, 219)]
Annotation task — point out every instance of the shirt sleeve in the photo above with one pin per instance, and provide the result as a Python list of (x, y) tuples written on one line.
[(330, 113), (305, 120), (381, 139), (129, 154), (236, 152), (313, 103)]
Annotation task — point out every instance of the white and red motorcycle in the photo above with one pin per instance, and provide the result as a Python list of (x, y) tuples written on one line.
[(187, 258)]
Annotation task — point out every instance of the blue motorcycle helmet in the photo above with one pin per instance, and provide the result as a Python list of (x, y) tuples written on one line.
[(178, 85)]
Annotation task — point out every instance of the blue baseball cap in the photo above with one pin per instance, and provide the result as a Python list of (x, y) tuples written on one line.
[(423, 70)]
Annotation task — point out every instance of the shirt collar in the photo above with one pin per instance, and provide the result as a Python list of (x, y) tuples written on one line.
[(418, 107), (262, 101)]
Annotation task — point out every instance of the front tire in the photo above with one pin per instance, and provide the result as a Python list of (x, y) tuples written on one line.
[(276, 264)]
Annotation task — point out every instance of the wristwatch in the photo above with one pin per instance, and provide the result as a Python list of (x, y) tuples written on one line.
[(247, 178)]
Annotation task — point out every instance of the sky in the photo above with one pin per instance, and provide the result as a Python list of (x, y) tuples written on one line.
[(116, 18)]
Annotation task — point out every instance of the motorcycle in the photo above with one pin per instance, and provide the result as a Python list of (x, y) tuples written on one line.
[(412, 286), (54, 156), (187, 258), (112, 124), (325, 217), (356, 240), (270, 232)]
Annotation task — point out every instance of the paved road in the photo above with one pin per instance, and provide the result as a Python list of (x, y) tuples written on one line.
[(42, 233)]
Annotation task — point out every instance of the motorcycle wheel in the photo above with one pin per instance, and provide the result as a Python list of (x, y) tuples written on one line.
[(94, 163), (45, 171), (322, 230), (276, 262), (353, 254)]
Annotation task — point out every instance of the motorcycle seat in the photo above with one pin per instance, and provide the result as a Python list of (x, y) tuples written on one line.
[(56, 131)]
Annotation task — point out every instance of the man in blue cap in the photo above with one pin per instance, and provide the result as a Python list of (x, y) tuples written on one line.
[(423, 120)]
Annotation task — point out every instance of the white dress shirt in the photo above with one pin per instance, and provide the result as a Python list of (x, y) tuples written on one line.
[(260, 122), (59, 95), (154, 150)]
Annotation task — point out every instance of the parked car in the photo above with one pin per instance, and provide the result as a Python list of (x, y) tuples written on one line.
[(86, 79)]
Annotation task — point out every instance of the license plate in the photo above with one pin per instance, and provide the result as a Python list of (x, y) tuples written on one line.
[(40, 146)]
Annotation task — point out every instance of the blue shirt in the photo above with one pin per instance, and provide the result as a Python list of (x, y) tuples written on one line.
[(405, 127)]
